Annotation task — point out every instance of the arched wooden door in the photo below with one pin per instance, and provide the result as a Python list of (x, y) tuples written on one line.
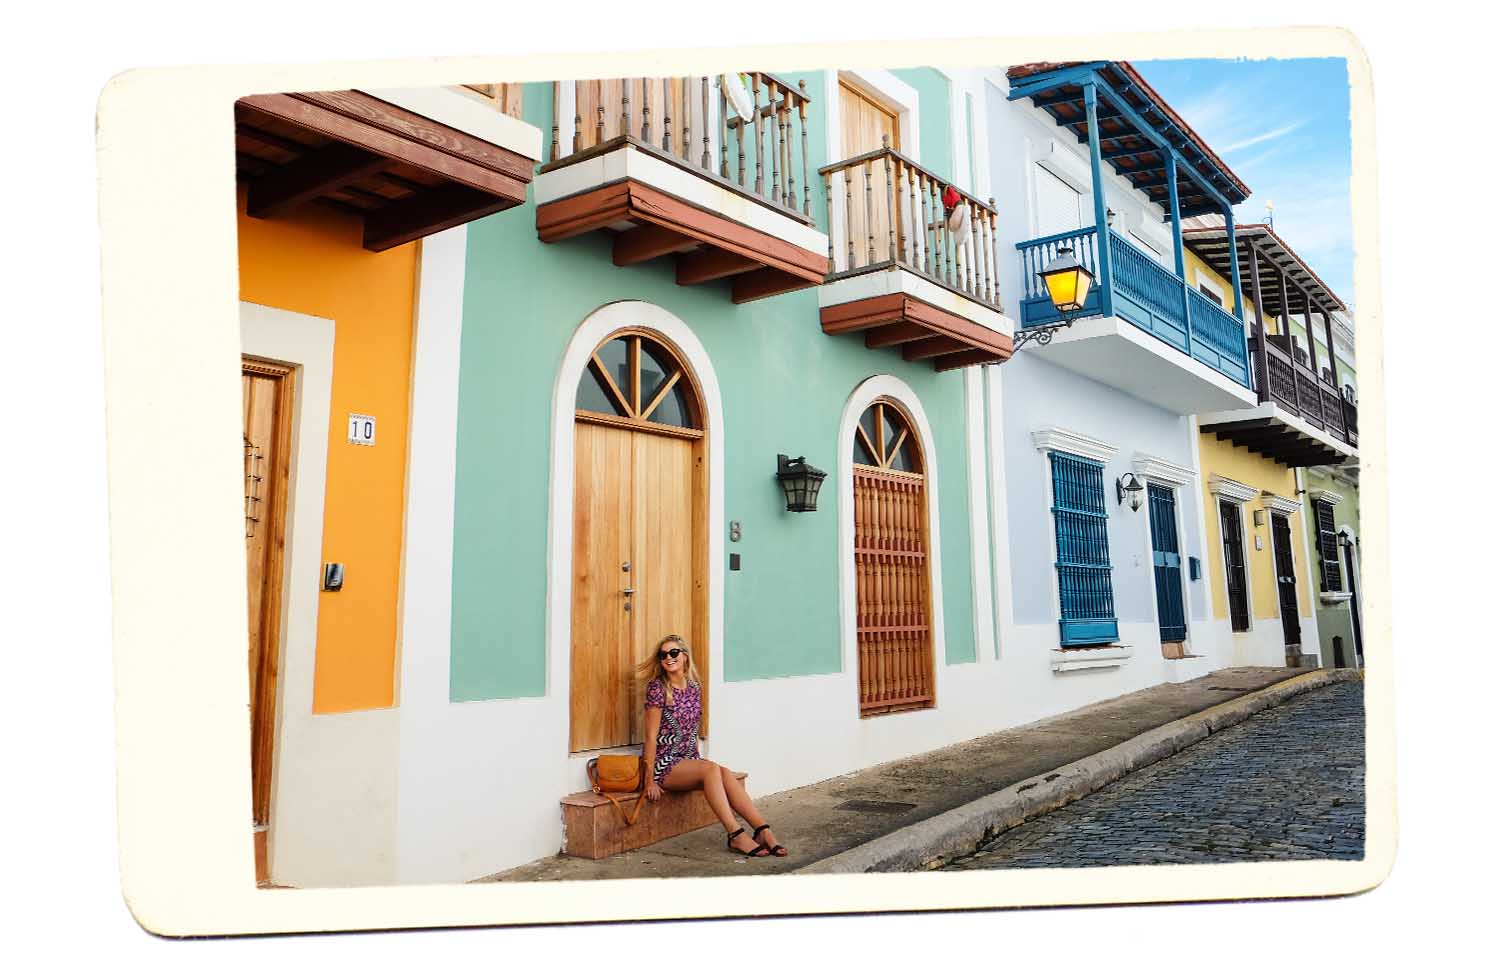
[(640, 560), (892, 569)]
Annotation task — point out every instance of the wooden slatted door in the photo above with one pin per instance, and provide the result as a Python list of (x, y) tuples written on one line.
[(1166, 562), (892, 571), (863, 124), (639, 559), (675, 106), (266, 396)]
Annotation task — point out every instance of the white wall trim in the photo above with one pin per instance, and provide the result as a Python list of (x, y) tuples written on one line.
[(1279, 504), (1055, 439), (885, 386), (979, 520), (1159, 469), (590, 333), (1231, 489), (1083, 658), (1325, 495), (427, 555), (1004, 593)]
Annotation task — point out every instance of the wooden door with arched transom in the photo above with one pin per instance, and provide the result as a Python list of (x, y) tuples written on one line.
[(639, 531), (891, 562)]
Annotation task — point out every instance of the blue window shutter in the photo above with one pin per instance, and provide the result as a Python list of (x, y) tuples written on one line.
[(1083, 568)]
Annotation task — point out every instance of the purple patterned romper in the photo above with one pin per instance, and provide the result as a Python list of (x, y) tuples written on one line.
[(677, 739)]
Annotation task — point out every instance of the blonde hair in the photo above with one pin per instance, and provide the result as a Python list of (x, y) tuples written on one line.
[(650, 669)]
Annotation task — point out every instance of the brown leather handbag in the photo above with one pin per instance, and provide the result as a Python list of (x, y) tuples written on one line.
[(609, 774)]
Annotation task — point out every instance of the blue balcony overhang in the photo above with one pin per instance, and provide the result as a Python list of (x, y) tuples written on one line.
[(1161, 342), (1138, 132)]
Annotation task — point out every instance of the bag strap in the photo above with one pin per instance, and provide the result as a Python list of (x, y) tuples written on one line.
[(592, 769)]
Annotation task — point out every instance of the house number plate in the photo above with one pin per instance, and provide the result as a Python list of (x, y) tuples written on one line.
[(361, 429)]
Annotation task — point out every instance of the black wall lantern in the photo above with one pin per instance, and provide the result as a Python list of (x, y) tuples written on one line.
[(800, 482), (1129, 487)]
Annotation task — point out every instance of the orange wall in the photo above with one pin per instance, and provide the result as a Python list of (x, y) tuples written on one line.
[(312, 262)]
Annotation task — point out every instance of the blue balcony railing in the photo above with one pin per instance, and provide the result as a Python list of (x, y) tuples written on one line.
[(1145, 293)]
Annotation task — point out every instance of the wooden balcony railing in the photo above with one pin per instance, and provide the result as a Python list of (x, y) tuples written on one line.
[(1294, 386), (887, 211), (691, 122)]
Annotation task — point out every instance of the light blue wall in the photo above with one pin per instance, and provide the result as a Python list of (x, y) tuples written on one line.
[(784, 385), (1037, 394)]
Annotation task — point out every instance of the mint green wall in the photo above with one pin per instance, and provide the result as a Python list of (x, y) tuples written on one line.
[(1334, 620), (933, 92), (783, 385)]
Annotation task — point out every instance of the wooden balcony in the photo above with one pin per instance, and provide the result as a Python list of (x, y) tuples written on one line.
[(408, 162), (901, 276), (669, 170)]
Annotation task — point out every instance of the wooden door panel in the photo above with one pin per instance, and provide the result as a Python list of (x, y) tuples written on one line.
[(266, 406), (665, 578), (602, 628), (665, 102), (863, 124), (892, 590)]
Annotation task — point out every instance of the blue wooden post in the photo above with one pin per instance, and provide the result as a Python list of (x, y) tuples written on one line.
[(1234, 264), (1101, 220), (1187, 311)]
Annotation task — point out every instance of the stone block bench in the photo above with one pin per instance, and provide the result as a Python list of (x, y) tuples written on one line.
[(593, 829)]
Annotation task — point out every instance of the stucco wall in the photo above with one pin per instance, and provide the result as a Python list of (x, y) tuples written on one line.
[(313, 262)]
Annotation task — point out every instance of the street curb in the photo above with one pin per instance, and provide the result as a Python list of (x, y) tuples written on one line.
[(958, 832)]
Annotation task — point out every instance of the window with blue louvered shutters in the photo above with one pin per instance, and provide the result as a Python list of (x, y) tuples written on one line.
[(1083, 570), (1328, 547)]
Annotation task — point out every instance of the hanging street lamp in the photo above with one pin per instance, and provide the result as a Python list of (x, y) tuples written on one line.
[(1067, 282), (800, 482)]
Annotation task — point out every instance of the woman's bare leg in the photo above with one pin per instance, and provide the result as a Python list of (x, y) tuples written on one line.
[(739, 800), (691, 774)]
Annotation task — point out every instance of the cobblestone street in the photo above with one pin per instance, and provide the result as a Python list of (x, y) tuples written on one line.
[(1287, 784)]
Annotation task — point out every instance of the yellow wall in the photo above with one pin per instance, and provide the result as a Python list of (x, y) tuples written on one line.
[(1242, 465), (312, 262)]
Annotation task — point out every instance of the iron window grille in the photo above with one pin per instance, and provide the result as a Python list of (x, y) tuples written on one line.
[(1085, 589)]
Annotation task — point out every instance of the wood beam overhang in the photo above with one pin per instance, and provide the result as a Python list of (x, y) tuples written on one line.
[(342, 146), (709, 245), (1276, 440), (921, 330)]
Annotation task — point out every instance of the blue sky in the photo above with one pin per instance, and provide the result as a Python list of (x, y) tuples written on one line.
[(1283, 128)]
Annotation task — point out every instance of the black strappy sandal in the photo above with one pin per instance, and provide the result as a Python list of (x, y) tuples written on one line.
[(772, 848), (759, 851)]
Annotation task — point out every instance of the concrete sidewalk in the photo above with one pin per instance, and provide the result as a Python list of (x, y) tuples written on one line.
[(914, 813)]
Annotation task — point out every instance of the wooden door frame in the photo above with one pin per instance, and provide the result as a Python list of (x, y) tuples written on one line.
[(265, 703), (699, 634)]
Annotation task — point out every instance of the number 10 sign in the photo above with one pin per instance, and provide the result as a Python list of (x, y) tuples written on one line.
[(361, 429)]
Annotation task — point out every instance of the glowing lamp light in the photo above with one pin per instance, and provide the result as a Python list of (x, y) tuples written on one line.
[(1067, 282)]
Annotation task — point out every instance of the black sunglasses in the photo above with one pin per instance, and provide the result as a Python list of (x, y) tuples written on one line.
[(663, 655)]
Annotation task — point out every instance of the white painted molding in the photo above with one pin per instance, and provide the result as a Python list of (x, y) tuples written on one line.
[(1324, 495), (1054, 439), (1231, 489), (1334, 597), (1083, 658), (1159, 469), (1279, 504)]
